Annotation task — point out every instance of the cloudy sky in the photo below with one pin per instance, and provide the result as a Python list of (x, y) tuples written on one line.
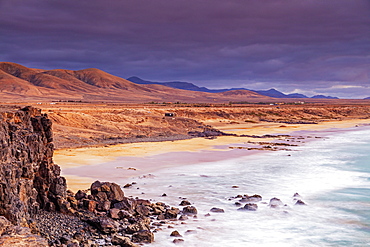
[(296, 46)]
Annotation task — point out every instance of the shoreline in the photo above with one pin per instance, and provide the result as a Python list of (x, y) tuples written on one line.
[(82, 166)]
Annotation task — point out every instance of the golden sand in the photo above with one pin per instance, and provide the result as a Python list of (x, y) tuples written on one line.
[(71, 158)]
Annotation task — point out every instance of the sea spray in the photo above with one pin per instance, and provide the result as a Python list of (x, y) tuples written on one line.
[(331, 175)]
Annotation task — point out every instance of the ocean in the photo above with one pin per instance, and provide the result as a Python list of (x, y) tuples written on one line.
[(331, 175)]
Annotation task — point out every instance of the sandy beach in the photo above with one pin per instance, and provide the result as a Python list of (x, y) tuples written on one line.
[(82, 166)]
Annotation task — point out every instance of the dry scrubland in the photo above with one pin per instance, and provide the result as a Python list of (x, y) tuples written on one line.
[(77, 125)]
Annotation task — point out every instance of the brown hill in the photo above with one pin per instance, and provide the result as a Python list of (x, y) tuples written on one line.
[(243, 93), (19, 83)]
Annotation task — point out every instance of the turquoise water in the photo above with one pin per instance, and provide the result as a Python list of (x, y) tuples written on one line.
[(332, 176)]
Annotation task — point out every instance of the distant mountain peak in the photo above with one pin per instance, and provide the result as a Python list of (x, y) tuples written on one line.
[(272, 92), (320, 96), (173, 84)]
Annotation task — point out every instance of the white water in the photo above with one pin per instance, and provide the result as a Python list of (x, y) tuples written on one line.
[(331, 175)]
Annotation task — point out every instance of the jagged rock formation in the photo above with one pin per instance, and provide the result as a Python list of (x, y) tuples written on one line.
[(29, 180), (34, 199)]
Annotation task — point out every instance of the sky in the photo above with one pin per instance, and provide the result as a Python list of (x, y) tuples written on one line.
[(295, 46)]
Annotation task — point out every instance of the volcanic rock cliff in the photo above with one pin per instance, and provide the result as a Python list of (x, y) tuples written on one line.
[(34, 199), (29, 180)]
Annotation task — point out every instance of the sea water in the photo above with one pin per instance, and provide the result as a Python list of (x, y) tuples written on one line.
[(331, 175)]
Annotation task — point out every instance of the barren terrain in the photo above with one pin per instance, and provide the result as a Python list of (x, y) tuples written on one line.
[(79, 125)]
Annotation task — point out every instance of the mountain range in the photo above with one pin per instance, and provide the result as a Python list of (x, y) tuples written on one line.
[(20, 83), (192, 87)]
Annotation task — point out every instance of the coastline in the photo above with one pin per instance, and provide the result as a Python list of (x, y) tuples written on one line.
[(321, 173), (82, 166)]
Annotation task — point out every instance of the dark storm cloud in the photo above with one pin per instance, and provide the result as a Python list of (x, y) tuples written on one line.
[(292, 45)]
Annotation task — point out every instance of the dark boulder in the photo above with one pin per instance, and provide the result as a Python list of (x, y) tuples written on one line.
[(275, 203), (138, 226), (300, 202), (103, 205), (217, 210), (127, 204), (104, 224), (171, 213), (144, 236), (175, 234), (254, 198), (106, 191), (143, 202), (80, 195), (185, 203), (183, 217), (123, 241), (250, 207), (163, 217), (90, 205), (189, 210), (157, 209), (123, 214), (142, 210), (190, 232), (178, 241), (127, 185)]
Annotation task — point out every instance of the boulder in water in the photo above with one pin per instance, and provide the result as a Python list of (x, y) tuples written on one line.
[(217, 210), (250, 207), (178, 241), (275, 203), (185, 203), (175, 234), (254, 198), (189, 210), (300, 202)]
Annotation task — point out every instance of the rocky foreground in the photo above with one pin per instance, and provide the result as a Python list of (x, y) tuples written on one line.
[(37, 210), (105, 217)]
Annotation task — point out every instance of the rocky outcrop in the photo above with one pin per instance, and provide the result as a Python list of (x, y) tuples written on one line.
[(34, 199), (111, 215), (29, 180), (208, 132)]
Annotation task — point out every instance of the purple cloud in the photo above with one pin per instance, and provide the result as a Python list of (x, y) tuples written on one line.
[(290, 45)]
